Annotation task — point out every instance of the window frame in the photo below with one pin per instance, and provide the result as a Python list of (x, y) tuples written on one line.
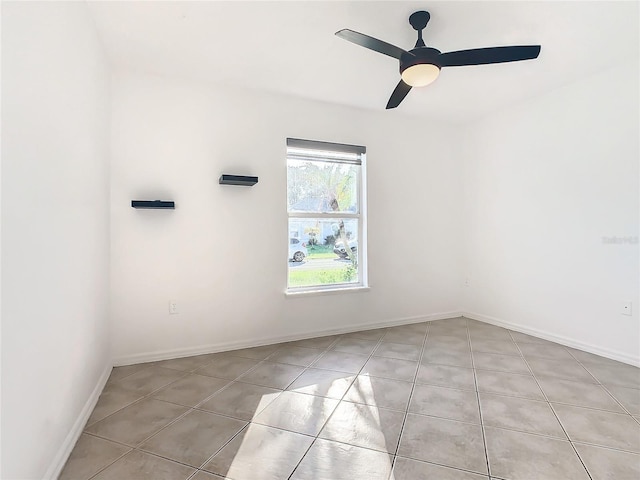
[(360, 216)]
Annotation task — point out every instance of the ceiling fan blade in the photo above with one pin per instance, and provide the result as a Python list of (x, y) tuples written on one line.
[(483, 56), (371, 43), (398, 95)]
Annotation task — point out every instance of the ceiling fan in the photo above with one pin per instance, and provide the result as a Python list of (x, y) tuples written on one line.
[(421, 65)]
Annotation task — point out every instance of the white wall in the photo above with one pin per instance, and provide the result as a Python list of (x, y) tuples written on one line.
[(544, 183), (55, 229), (222, 253)]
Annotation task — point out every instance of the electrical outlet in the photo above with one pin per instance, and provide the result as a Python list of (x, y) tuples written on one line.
[(173, 307), (626, 308)]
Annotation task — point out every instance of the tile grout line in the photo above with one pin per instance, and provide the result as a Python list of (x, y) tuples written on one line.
[(260, 362), (554, 412), (208, 459), (107, 466), (184, 374), (604, 387), (477, 392), (606, 447), (158, 455), (510, 429), (506, 395), (265, 360), (413, 386), (144, 397), (339, 401), (189, 408), (329, 418), (193, 475), (138, 447), (637, 420), (236, 379), (250, 422)]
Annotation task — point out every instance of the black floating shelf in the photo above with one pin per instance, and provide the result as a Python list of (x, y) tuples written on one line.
[(238, 180), (157, 204)]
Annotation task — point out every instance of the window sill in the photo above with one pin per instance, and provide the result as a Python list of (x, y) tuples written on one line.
[(326, 291)]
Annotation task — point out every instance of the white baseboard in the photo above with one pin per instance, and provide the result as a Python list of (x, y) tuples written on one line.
[(569, 342), (223, 347), (72, 437)]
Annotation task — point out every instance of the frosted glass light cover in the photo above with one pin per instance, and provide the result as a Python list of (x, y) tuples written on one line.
[(420, 75)]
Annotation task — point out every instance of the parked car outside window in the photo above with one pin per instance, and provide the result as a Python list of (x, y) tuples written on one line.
[(297, 250), (339, 249)]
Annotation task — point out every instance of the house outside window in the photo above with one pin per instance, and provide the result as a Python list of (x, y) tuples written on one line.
[(327, 216)]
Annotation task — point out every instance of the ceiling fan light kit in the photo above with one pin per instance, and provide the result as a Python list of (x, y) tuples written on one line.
[(419, 72), (421, 65)]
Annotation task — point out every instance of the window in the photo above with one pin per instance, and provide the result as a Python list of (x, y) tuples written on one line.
[(327, 219)]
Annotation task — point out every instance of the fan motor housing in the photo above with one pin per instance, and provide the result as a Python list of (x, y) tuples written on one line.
[(419, 56)]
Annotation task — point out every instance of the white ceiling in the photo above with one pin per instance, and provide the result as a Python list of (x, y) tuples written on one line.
[(290, 47)]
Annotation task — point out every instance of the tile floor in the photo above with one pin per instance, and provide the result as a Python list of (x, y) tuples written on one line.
[(445, 400)]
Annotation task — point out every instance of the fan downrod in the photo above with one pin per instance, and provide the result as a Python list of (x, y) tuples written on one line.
[(418, 21)]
